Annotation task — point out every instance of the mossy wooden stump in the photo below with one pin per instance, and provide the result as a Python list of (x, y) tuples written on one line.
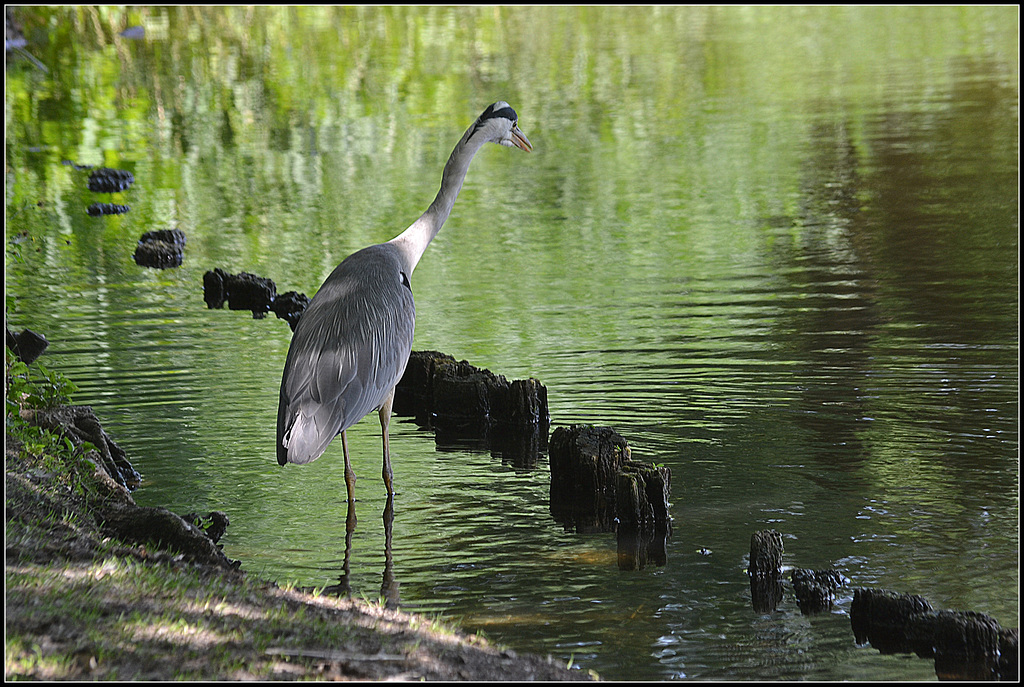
[(597, 487)]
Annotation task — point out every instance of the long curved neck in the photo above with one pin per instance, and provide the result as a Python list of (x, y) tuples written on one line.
[(414, 241)]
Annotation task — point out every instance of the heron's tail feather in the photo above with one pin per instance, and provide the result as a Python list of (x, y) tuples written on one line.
[(303, 441)]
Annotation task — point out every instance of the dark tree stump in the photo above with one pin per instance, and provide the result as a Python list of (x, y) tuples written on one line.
[(289, 307), (175, 237), (966, 645), (584, 463), (1009, 655), (161, 249), (158, 255), (415, 391), (244, 291), (249, 292), (528, 402), (766, 592), (462, 399), (215, 291)]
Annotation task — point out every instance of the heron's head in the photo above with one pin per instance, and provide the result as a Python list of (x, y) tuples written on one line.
[(500, 124)]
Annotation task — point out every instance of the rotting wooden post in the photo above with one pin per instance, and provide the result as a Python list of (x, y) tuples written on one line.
[(462, 400), (641, 505), (966, 645), (765, 570), (597, 487), (584, 462), (415, 391), (766, 553), (815, 589), (884, 618), (528, 402)]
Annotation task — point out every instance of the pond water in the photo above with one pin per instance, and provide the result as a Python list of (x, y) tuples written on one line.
[(776, 249)]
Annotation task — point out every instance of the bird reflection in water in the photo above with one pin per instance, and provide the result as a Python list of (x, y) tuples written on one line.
[(389, 584)]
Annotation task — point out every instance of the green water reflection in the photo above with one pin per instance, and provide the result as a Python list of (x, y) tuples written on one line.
[(775, 248)]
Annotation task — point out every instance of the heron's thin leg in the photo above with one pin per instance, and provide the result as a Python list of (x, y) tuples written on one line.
[(385, 420), (350, 475)]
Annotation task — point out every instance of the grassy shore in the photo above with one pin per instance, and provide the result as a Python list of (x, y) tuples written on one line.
[(84, 602)]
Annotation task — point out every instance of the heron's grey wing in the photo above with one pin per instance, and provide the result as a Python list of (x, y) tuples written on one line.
[(348, 352)]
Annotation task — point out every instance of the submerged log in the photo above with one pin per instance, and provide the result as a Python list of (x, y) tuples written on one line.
[(101, 209)]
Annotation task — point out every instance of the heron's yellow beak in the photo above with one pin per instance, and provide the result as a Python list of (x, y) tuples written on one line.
[(519, 138)]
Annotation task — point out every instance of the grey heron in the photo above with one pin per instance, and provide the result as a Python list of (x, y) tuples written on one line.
[(353, 341)]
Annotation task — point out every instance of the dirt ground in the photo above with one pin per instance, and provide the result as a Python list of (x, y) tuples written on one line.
[(83, 604)]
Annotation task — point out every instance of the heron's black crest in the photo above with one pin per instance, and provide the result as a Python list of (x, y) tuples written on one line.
[(498, 109)]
